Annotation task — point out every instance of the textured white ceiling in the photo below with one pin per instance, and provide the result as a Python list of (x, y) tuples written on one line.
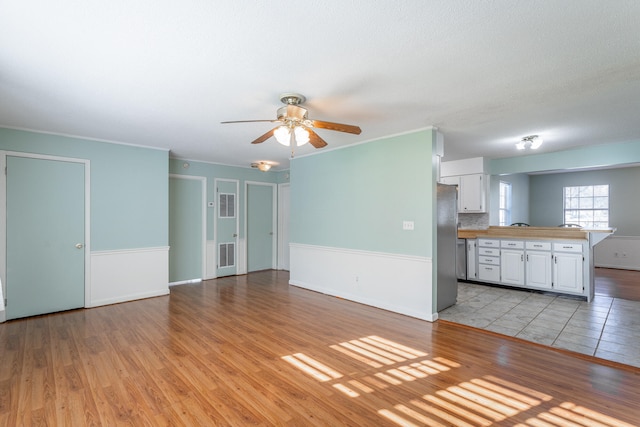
[(166, 73)]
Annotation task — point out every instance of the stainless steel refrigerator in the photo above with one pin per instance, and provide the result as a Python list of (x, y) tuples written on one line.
[(447, 229)]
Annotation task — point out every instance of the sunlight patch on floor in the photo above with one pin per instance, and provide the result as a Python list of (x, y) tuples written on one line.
[(482, 401)]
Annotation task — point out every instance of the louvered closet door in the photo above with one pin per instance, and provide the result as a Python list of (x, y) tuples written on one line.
[(226, 227)]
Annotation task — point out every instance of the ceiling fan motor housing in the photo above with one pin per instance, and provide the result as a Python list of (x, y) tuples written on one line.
[(292, 113)]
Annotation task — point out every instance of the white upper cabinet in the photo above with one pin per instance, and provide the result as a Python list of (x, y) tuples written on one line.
[(472, 194)]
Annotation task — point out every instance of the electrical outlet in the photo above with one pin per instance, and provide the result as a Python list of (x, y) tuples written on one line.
[(407, 225)]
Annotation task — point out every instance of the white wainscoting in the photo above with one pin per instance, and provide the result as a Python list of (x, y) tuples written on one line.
[(398, 283), (126, 275), (211, 260), (618, 252)]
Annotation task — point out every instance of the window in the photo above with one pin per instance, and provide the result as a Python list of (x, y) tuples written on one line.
[(587, 205), (227, 205), (505, 203)]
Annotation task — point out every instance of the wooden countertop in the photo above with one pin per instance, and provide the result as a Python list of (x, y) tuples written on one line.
[(528, 233)]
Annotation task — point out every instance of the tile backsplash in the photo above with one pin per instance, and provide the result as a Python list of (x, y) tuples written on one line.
[(473, 220)]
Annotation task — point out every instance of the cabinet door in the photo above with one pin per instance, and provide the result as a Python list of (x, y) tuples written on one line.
[(472, 193), (472, 260), (512, 267), (567, 272), (538, 269)]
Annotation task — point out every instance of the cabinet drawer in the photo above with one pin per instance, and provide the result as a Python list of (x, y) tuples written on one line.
[(513, 244), (489, 273), (539, 246), (567, 247), (489, 251), (489, 243), (493, 260)]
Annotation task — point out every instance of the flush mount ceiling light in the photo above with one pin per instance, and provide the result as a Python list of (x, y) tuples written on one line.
[(532, 142), (262, 166)]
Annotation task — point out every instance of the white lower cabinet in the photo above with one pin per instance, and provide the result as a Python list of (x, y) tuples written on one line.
[(488, 273), (488, 260), (538, 269), (538, 265), (568, 272), (472, 261), (512, 267), (544, 265)]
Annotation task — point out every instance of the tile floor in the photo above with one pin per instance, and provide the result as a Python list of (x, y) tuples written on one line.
[(607, 327)]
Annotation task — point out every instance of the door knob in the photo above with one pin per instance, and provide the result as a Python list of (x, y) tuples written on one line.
[(235, 234), (79, 245)]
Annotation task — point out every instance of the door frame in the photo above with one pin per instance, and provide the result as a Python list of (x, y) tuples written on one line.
[(274, 219), (241, 265), (3, 218), (284, 206), (203, 202)]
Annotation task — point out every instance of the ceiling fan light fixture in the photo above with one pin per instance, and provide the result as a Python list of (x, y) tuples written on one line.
[(301, 135), (283, 135), (532, 142), (536, 143), (261, 166)]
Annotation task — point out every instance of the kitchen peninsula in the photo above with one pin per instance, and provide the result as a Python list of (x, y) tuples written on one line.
[(553, 259)]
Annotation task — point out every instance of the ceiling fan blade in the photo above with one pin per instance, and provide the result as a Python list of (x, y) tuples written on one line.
[(249, 121), (315, 140), (336, 126), (264, 137)]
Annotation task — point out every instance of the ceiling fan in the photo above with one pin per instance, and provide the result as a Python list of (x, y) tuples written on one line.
[(295, 126)]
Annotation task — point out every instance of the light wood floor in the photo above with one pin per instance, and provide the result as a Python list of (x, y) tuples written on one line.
[(252, 350)]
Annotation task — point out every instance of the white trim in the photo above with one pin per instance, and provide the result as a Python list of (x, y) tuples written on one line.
[(399, 283), (274, 219), (347, 251), (283, 226), (129, 251), (185, 282), (86, 138), (203, 238), (87, 213)]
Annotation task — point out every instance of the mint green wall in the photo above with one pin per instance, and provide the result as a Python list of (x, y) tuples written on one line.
[(357, 197), (583, 157), (129, 186), (546, 197), (211, 171)]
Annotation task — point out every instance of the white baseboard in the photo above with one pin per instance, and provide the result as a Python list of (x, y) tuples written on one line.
[(126, 275), (398, 283)]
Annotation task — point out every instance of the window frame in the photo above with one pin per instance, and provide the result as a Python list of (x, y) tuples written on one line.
[(504, 212), (582, 205)]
